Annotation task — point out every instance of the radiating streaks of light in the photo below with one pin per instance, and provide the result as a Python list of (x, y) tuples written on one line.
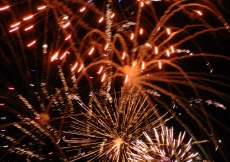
[(106, 132), (47, 124), (139, 50), (163, 146)]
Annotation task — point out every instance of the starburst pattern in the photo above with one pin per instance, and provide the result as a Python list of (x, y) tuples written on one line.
[(105, 131), (164, 147), (101, 46)]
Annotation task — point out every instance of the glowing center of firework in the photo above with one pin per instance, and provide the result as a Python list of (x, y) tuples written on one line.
[(132, 72), (43, 118), (118, 141)]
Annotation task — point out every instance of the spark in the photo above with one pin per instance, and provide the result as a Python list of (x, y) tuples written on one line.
[(12, 30), (28, 17), (126, 78), (4, 8), (91, 51), (103, 78), (66, 25), (200, 13), (132, 36), (141, 31), (168, 31), (41, 7), (80, 68), (82, 9), (32, 43), (156, 50), (101, 19), (28, 28), (68, 37), (54, 56), (75, 65), (123, 56), (100, 70), (16, 24)]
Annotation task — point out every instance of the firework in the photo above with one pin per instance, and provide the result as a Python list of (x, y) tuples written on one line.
[(164, 147), (105, 131), (113, 43)]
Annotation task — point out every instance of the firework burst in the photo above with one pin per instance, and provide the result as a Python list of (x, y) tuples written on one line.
[(105, 131), (143, 44), (163, 147)]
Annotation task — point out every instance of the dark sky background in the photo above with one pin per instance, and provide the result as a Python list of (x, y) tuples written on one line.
[(10, 47)]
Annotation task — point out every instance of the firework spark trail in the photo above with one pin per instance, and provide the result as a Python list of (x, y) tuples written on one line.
[(141, 66)]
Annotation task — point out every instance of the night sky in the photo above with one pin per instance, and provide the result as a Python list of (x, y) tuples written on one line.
[(28, 71)]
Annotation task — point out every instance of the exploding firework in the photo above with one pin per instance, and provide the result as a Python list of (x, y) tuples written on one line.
[(150, 45), (163, 147), (105, 131)]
